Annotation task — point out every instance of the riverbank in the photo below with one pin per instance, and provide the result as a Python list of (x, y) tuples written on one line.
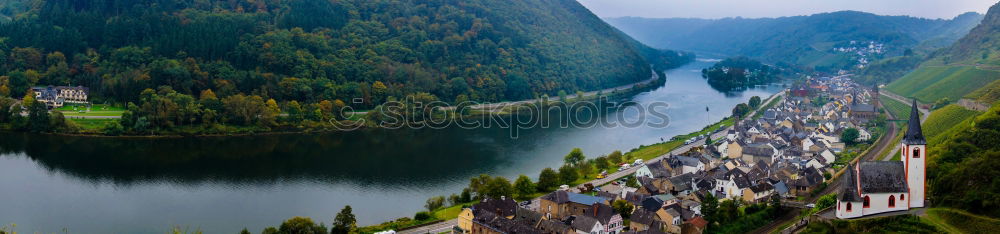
[(444, 218)]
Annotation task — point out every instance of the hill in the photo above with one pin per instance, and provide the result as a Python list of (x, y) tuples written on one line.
[(311, 50), (932, 83), (979, 46), (821, 41), (969, 68)]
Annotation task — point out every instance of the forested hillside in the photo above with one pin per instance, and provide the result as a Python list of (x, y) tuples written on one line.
[(969, 68), (820, 41), (981, 45), (314, 50)]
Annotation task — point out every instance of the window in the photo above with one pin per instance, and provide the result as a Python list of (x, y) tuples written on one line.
[(916, 152), (867, 202), (892, 201), (848, 207), (902, 197)]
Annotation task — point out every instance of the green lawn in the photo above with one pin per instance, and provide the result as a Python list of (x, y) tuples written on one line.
[(652, 151), (891, 224), (930, 83), (95, 110), (91, 124), (959, 221)]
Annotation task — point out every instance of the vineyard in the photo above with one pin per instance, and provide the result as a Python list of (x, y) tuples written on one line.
[(947, 121), (898, 109), (931, 83), (988, 94)]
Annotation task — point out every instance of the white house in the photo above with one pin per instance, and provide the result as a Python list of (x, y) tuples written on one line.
[(864, 135), (643, 171), (587, 225), (885, 186)]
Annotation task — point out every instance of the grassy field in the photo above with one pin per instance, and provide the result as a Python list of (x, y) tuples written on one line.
[(95, 110), (898, 109), (943, 120), (930, 83), (648, 152), (91, 124), (958, 221), (892, 224)]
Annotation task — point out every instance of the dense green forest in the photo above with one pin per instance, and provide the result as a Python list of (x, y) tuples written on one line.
[(962, 172), (808, 41), (313, 50), (266, 64), (739, 72)]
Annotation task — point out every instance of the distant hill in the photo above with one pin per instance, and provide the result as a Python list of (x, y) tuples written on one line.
[(969, 68), (812, 41), (313, 50), (980, 45)]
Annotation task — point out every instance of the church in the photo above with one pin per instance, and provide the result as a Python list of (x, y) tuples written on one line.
[(884, 186)]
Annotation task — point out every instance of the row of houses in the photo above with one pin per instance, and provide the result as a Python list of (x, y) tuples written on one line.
[(781, 155)]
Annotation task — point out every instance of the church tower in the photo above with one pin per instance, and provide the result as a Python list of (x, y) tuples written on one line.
[(914, 155), (875, 97)]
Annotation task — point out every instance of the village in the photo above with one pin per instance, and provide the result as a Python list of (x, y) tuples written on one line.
[(785, 155)]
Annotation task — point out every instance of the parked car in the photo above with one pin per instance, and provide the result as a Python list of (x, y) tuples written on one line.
[(637, 162)]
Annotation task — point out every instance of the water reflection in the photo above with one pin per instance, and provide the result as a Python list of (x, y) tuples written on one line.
[(223, 184)]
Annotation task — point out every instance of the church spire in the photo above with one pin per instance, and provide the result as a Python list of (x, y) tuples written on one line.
[(914, 135)]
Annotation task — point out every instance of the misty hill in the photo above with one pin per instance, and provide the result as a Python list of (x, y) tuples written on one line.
[(980, 45), (821, 40), (311, 50)]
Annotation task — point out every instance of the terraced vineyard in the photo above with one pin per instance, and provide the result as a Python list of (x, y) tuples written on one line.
[(930, 83), (947, 121), (898, 109), (988, 94)]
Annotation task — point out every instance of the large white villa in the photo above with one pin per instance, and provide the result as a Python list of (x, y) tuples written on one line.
[(884, 186)]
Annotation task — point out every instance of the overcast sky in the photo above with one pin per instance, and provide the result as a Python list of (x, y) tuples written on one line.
[(777, 8)]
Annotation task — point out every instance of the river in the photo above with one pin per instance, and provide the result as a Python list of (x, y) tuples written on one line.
[(225, 184)]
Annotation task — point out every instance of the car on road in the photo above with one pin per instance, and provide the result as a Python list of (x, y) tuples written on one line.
[(811, 205), (637, 162)]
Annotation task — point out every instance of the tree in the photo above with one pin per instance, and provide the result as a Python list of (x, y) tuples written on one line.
[(568, 174), (623, 207), (344, 222), (709, 209), (478, 185), (465, 196), (524, 187), (615, 157), (574, 157), (6, 110), (301, 225), (499, 187), (547, 180), (38, 117), (454, 199), (850, 135), (740, 110), (434, 203), (728, 211), (754, 102), (585, 169), (601, 163)]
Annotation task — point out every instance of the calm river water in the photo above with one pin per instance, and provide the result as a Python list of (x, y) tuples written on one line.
[(221, 185)]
